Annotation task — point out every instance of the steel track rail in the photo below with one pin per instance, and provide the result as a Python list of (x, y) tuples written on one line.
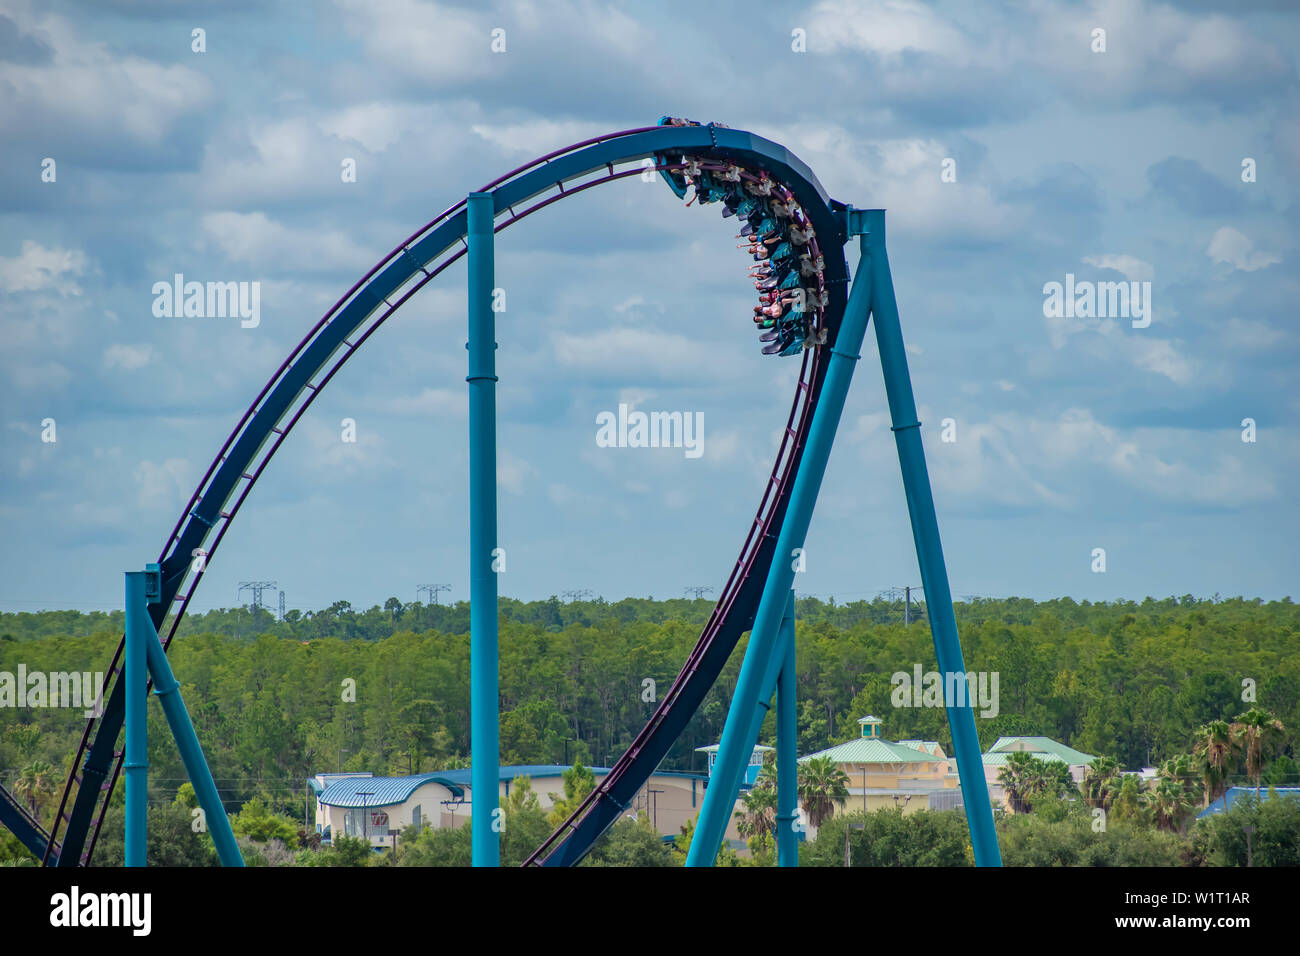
[(286, 396)]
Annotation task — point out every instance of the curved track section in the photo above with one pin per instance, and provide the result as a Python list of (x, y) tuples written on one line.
[(332, 341)]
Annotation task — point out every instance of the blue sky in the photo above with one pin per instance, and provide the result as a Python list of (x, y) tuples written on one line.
[(1072, 434)]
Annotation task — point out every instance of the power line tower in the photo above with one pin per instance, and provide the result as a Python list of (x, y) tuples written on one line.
[(698, 590), (578, 594), (257, 587), (282, 605), (433, 590), (902, 593), (907, 601)]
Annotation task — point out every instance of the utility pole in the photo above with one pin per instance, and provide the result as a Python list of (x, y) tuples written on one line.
[(698, 590), (433, 590)]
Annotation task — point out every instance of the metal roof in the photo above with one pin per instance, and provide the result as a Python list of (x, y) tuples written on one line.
[(873, 750), (1001, 760), (927, 745), (381, 791), (1233, 794), (1039, 746), (388, 791)]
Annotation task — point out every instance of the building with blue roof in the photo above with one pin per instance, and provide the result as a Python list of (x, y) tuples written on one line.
[(379, 808), (1233, 794)]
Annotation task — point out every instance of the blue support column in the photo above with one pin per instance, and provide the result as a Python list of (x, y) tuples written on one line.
[(787, 767), (740, 732), (925, 531), (136, 766), (485, 754), (168, 688)]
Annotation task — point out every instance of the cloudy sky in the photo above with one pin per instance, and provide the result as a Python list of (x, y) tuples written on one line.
[(1071, 433)]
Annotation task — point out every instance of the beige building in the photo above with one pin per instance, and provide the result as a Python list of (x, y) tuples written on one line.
[(909, 774), (1044, 748), (379, 808)]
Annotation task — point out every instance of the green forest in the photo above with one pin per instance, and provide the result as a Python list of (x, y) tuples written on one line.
[(1141, 684)]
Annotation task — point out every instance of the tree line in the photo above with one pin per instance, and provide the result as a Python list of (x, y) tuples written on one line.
[(386, 689)]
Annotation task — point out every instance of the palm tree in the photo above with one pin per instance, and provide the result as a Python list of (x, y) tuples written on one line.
[(1099, 779), (1170, 803), (1131, 800), (26, 738), (1182, 770), (822, 785), (757, 818), (682, 843), (1256, 731), (1215, 750), (1059, 780), (35, 782), (1038, 782), (1017, 780)]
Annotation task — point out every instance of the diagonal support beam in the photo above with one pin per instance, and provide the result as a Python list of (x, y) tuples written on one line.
[(929, 550), (787, 766), (872, 292), (758, 672)]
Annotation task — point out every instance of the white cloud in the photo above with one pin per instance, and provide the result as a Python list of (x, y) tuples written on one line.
[(1015, 460), (887, 27), (536, 137), (722, 447), (676, 498), (330, 455), (163, 485), (128, 357), (513, 472), (1162, 356), (1230, 246), (1152, 50), (271, 159), (255, 239), (634, 397), (1251, 334), (903, 176), (37, 268), (428, 41), (45, 375), (430, 403), (376, 126), (96, 90), (629, 352), (1131, 267)]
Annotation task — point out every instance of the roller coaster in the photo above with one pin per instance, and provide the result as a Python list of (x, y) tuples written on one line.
[(796, 234)]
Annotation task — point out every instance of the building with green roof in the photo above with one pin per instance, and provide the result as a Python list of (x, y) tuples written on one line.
[(1043, 748), (910, 774)]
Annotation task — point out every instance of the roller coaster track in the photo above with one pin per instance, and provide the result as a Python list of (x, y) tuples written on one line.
[(332, 341), (16, 817)]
